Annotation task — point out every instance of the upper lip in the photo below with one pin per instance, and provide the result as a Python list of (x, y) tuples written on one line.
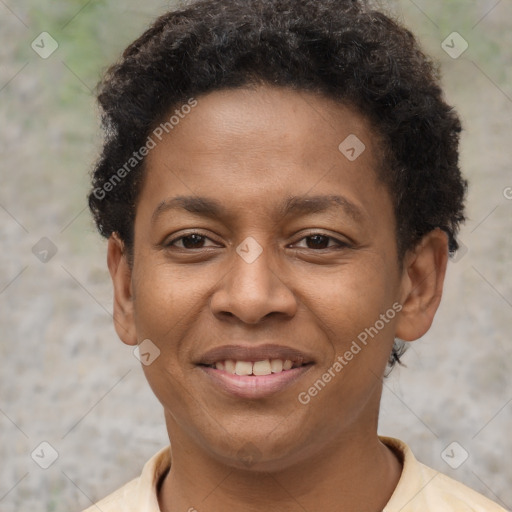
[(254, 353)]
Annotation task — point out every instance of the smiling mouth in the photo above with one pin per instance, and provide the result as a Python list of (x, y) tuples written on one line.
[(256, 368), (253, 380)]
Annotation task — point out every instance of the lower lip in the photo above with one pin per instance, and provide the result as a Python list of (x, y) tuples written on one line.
[(254, 386)]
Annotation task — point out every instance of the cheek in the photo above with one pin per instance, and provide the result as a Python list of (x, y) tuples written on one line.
[(164, 299), (354, 296), (165, 307), (163, 310), (354, 309)]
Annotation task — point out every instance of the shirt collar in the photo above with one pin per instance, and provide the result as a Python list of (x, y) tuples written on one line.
[(410, 484), (147, 485), (412, 480)]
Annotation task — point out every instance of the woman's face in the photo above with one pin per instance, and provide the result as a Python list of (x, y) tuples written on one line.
[(281, 246)]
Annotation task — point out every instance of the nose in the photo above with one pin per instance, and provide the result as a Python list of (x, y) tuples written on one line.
[(252, 290)]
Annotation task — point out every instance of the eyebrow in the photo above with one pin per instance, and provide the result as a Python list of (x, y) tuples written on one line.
[(295, 205)]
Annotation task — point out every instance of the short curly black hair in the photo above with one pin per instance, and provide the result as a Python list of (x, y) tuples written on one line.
[(344, 50)]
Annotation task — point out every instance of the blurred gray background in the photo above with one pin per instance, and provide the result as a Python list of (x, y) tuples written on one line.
[(68, 381)]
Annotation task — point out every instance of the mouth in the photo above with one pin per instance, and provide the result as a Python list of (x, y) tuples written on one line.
[(256, 368), (253, 372)]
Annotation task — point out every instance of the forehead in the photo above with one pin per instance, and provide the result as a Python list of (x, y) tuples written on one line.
[(262, 146), (227, 119)]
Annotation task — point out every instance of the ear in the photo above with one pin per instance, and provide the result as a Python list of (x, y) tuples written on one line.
[(121, 274), (422, 285)]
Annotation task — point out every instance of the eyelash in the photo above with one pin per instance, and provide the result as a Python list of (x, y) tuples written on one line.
[(340, 244)]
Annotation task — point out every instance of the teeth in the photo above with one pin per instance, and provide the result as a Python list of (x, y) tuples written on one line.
[(276, 365), (229, 366), (243, 368), (261, 368), (265, 367)]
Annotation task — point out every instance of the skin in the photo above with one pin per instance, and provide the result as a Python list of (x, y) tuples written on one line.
[(250, 149)]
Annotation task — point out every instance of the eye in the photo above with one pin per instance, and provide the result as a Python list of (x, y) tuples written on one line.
[(318, 241), (188, 241), (321, 241)]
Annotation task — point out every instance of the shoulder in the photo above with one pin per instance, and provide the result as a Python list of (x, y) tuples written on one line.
[(422, 488), (456, 496), (118, 500), (141, 493)]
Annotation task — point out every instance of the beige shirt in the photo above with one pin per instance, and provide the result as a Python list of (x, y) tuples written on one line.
[(419, 489)]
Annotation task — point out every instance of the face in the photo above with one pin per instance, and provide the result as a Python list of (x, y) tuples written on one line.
[(258, 241)]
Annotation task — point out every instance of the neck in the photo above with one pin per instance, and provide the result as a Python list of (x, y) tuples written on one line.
[(358, 472)]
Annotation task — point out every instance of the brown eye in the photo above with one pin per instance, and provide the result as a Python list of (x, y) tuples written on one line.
[(193, 241), (321, 241), (190, 241), (318, 242)]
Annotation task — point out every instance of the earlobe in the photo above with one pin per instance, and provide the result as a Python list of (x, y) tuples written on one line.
[(422, 285), (121, 274)]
